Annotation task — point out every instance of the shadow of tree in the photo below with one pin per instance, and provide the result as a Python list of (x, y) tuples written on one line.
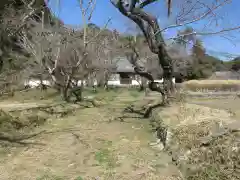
[(128, 116), (20, 140), (145, 111)]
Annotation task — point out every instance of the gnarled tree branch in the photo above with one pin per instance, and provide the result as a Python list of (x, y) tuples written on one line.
[(133, 58), (151, 30)]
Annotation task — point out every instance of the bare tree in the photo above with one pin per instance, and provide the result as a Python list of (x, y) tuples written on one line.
[(190, 12), (106, 51), (66, 54), (12, 58), (150, 28)]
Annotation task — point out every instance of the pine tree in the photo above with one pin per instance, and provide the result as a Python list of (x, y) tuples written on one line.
[(198, 50)]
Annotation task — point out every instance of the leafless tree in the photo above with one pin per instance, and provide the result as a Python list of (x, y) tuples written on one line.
[(150, 28), (66, 54), (12, 59), (176, 49), (106, 50), (190, 12)]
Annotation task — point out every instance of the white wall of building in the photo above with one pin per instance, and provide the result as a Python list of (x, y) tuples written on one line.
[(35, 83)]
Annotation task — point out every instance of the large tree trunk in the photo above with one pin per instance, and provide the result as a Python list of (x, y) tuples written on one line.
[(67, 88), (42, 86), (144, 85), (106, 78), (77, 92), (72, 90), (90, 80), (151, 30), (65, 94)]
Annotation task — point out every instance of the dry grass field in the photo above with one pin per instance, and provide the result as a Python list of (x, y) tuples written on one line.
[(51, 140), (213, 85)]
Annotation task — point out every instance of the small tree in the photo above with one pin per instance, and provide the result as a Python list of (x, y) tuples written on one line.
[(106, 51), (198, 49)]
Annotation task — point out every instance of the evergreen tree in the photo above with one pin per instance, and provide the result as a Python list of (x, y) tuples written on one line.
[(198, 50)]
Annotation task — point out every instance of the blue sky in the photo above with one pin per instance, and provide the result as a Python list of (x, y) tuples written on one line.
[(69, 12)]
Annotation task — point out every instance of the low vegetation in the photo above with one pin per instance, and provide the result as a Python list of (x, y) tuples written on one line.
[(207, 144), (114, 143), (66, 130), (212, 85)]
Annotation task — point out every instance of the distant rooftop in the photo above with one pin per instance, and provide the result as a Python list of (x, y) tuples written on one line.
[(123, 65)]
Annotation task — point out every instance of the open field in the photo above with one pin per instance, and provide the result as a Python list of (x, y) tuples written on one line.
[(212, 85), (79, 141)]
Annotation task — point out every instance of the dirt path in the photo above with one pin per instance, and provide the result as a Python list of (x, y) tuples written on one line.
[(89, 146)]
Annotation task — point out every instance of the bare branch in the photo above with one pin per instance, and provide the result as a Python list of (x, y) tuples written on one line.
[(84, 23), (55, 62), (105, 26), (147, 2), (199, 18), (218, 32), (210, 33), (93, 8), (31, 4)]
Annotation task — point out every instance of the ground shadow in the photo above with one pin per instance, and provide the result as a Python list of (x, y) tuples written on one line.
[(145, 111), (20, 139)]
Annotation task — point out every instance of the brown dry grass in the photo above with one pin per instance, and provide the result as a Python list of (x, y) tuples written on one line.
[(220, 160), (89, 145), (215, 85)]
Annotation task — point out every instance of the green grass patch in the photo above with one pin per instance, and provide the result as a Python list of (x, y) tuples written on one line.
[(134, 93), (78, 178), (53, 95), (51, 177), (35, 94), (105, 156)]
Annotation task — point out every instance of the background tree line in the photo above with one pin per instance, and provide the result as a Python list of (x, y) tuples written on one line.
[(20, 55)]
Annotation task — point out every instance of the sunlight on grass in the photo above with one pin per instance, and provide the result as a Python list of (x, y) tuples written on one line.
[(134, 93), (51, 177), (116, 150), (105, 157), (78, 178), (217, 85)]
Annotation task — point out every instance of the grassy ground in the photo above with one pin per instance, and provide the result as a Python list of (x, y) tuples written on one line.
[(230, 104), (212, 85), (78, 141), (87, 144), (208, 138)]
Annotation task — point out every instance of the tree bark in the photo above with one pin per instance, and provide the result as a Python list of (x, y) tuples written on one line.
[(42, 86), (65, 94), (151, 30)]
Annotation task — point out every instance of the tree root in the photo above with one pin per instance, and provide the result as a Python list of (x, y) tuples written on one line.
[(156, 122)]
